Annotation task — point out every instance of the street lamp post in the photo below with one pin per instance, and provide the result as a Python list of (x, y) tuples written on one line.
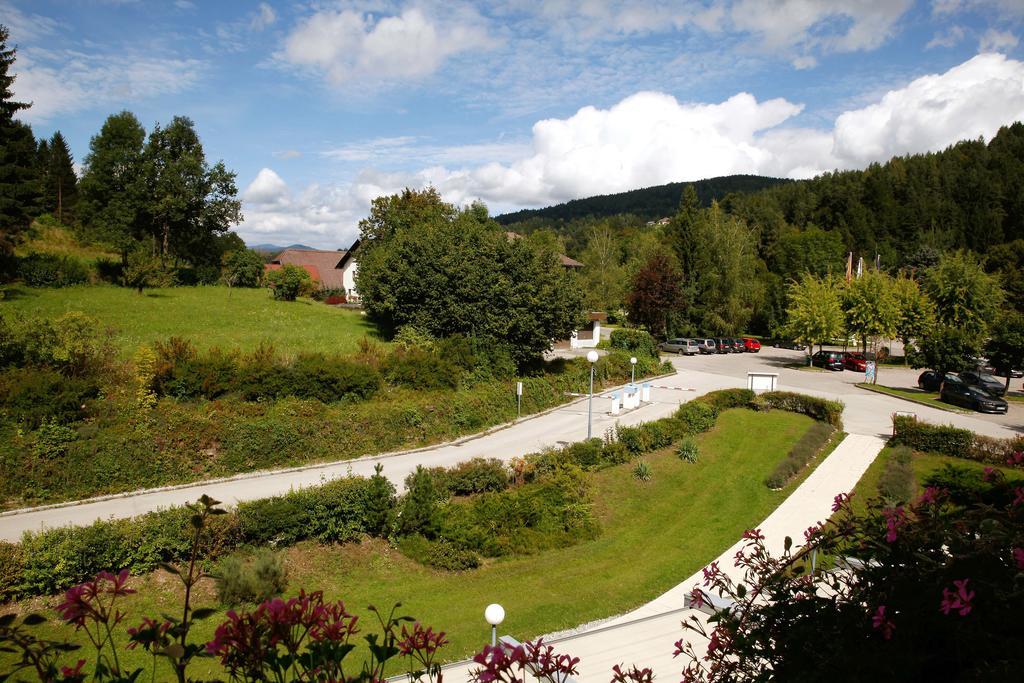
[(592, 357), (494, 614), (632, 376)]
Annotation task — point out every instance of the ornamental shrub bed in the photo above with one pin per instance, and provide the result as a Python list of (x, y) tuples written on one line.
[(956, 442), (803, 451), (635, 341), (820, 409), (897, 484)]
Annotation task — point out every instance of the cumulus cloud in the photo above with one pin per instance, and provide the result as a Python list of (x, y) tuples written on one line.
[(948, 38), (348, 44), (651, 138), (264, 17)]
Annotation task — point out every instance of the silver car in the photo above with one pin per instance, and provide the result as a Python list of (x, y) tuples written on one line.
[(681, 346)]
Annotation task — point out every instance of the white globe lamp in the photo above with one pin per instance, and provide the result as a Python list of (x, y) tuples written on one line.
[(494, 614)]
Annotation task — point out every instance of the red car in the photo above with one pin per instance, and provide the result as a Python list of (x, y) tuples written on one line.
[(751, 345), (855, 361)]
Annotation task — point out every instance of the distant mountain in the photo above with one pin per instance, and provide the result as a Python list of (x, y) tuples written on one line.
[(276, 248), (649, 203)]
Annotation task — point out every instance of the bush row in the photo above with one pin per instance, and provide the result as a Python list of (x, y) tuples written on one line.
[(897, 483), (966, 485), (820, 409), (52, 270), (956, 442), (800, 455)]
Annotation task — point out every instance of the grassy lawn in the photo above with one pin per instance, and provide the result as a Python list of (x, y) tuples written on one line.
[(927, 398), (923, 465), (654, 535), (209, 316)]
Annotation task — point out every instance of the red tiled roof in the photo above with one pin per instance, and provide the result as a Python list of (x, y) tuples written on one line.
[(322, 265)]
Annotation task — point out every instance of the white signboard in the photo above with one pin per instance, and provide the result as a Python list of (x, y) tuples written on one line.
[(760, 382)]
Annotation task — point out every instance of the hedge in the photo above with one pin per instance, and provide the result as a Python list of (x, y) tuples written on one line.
[(820, 409), (955, 442)]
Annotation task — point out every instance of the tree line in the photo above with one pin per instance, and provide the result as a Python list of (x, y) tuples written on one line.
[(153, 197)]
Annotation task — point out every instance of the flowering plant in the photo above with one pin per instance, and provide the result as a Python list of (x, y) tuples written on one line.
[(927, 590), (504, 664)]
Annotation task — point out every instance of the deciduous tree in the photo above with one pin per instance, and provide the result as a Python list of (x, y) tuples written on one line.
[(656, 294), (1005, 348), (815, 313)]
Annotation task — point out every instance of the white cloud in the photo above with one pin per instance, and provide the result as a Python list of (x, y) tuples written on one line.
[(25, 28), (264, 17), (949, 38), (349, 44), (651, 138), (288, 154), (968, 101), (64, 81), (997, 41), (808, 28)]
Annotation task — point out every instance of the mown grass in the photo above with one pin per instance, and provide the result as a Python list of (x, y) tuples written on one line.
[(926, 398), (209, 316), (654, 535)]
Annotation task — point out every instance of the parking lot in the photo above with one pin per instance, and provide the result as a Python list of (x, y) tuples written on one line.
[(794, 376)]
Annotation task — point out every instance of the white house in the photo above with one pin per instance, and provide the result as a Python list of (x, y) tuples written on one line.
[(348, 266)]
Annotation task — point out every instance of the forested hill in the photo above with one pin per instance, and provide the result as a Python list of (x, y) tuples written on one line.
[(648, 203)]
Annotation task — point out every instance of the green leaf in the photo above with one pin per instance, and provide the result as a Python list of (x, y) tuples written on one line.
[(741, 591)]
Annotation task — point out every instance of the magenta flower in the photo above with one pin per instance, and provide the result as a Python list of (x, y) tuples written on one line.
[(811, 532), (894, 519), (930, 496), (697, 597), (880, 622), (1015, 459), (1018, 557), (632, 675), (1018, 496), (840, 502), (422, 640), (753, 535), (960, 600), (711, 574)]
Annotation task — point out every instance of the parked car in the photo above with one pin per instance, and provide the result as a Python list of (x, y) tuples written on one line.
[(830, 360), (960, 394), (726, 345), (984, 381), (707, 346), (929, 380), (739, 345), (1015, 374), (681, 346), (751, 345), (855, 361), (789, 344)]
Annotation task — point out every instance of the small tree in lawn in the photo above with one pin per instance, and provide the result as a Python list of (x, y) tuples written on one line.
[(380, 506), (871, 308), (243, 268), (1005, 349), (142, 270), (419, 507), (656, 294), (815, 312)]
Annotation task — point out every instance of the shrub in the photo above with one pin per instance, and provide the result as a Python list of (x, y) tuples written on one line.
[(289, 282), (281, 520), (34, 396), (336, 300), (109, 270), (800, 455), (897, 483), (333, 379), (380, 504), (420, 369), (440, 554), (420, 513), (52, 270), (12, 566), (820, 409), (473, 476), (638, 342), (695, 417), (262, 578), (209, 376), (52, 439), (964, 485), (642, 471), (687, 450), (723, 399), (340, 510)]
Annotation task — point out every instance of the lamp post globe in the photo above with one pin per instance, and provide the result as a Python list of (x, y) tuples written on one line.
[(632, 376), (592, 356), (494, 614)]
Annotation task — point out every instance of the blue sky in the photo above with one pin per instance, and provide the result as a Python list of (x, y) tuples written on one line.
[(321, 106)]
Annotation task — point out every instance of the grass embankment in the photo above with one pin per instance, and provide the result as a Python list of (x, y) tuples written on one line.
[(208, 316), (919, 396), (654, 535), (51, 239)]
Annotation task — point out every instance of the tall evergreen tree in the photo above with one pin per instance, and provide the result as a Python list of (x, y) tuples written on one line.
[(59, 181), (19, 190)]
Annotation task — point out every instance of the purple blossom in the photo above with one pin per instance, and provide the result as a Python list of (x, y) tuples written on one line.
[(880, 622), (959, 600)]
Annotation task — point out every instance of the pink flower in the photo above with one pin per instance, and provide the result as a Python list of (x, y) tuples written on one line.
[(1018, 557), (990, 474), (840, 502), (811, 532), (632, 675), (1015, 459), (753, 535), (1018, 496), (930, 496), (421, 640), (880, 622), (894, 518), (697, 598), (959, 600), (711, 574)]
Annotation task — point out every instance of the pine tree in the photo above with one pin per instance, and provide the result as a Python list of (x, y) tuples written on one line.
[(19, 190), (59, 182)]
